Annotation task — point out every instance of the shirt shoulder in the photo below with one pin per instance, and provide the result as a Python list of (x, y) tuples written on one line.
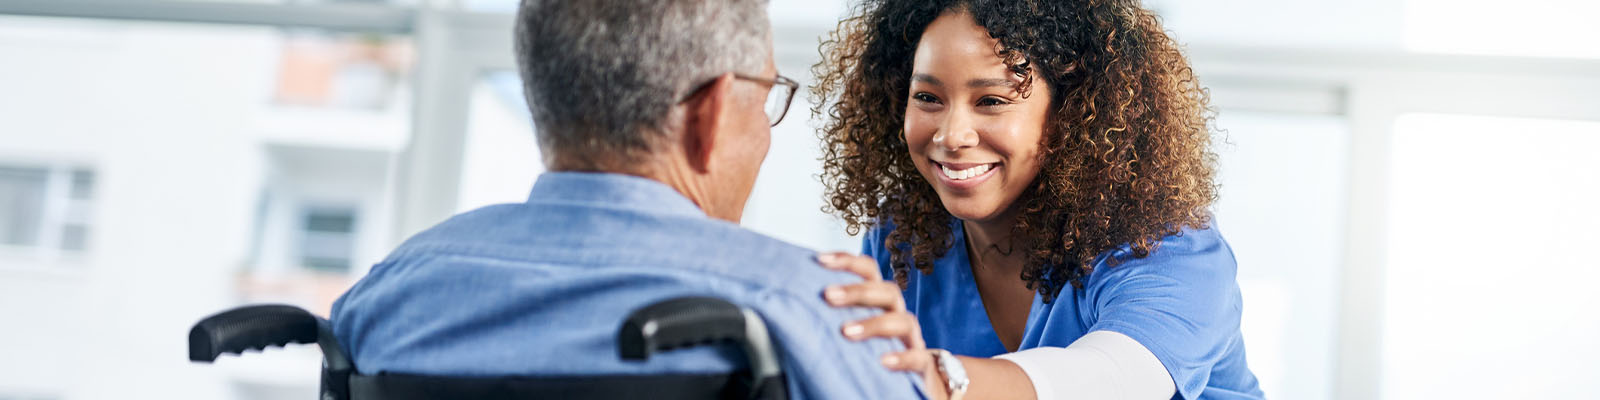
[(586, 234), (588, 266), (1196, 256), (1181, 302)]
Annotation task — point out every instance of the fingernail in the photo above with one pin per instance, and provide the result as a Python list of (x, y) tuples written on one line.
[(853, 330), (834, 294), (827, 259), (890, 360)]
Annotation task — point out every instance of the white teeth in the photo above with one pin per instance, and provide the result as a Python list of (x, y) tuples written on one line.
[(965, 173)]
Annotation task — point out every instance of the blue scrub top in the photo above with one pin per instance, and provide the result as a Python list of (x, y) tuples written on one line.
[(1181, 302)]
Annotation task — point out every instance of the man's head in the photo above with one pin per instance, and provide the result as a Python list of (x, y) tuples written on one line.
[(655, 88)]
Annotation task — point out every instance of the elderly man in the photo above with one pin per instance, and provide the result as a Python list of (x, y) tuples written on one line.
[(653, 117)]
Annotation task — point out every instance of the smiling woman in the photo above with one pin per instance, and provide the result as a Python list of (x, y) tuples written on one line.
[(1045, 168), (1124, 145), (982, 125)]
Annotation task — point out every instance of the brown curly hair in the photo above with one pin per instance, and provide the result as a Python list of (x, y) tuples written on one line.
[(1126, 156)]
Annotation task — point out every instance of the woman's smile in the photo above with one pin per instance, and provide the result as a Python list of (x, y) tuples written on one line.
[(965, 175)]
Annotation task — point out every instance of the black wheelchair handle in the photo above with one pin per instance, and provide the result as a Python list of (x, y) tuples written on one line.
[(678, 323), (250, 328), (258, 327), (694, 321), (273, 325)]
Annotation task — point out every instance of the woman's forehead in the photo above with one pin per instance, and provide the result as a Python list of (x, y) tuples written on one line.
[(954, 50)]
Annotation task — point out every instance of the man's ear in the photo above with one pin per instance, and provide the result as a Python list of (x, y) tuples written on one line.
[(707, 114)]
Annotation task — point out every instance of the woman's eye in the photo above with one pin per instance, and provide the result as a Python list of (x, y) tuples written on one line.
[(991, 101), (925, 98)]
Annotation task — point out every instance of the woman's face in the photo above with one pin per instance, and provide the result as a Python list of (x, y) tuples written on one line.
[(970, 132)]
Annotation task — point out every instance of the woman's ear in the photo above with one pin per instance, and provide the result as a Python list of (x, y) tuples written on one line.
[(708, 113)]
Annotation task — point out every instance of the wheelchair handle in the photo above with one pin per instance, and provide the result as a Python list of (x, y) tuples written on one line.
[(694, 321), (260, 326)]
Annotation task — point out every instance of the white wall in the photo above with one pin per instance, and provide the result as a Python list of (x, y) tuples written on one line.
[(1282, 179)]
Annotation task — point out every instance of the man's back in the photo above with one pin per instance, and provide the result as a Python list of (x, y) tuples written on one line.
[(539, 289)]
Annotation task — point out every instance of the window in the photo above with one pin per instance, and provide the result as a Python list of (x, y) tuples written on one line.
[(1491, 262), (21, 204), (328, 239), (44, 211)]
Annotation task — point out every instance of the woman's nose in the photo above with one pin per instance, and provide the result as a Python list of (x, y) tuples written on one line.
[(956, 133)]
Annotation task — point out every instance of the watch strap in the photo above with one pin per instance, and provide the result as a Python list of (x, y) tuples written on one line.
[(955, 374)]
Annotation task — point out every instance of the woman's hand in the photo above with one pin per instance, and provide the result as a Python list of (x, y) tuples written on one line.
[(895, 322)]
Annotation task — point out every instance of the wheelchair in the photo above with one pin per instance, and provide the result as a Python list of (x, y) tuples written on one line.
[(663, 326)]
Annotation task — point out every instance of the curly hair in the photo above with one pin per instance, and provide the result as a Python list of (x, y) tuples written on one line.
[(1126, 156)]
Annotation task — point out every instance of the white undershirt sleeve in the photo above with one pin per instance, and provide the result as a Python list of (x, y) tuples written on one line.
[(1099, 365)]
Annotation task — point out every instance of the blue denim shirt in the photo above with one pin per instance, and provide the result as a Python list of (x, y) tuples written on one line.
[(540, 289)]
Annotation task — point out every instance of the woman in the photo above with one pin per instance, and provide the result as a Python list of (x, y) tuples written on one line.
[(1035, 177)]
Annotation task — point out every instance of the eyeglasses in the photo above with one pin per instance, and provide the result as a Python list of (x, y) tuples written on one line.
[(778, 99)]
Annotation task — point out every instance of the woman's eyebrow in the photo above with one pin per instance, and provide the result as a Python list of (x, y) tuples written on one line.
[(974, 84), (987, 83)]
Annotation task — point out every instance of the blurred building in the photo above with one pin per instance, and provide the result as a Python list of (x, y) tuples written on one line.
[(1408, 185), (153, 172)]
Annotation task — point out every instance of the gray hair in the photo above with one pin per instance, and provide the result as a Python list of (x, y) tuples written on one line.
[(602, 77)]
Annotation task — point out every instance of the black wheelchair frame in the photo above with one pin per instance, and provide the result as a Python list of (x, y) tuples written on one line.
[(663, 326)]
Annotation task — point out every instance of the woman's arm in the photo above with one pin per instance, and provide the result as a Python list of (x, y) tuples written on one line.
[(995, 378), (1100, 365)]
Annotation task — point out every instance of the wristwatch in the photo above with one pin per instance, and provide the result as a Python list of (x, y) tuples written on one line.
[(955, 376)]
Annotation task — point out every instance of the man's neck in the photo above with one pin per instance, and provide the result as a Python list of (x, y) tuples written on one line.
[(688, 185), (681, 178)]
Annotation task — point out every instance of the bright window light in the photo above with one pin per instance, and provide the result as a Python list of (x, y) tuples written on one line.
[(502, 157), (1491, 259)]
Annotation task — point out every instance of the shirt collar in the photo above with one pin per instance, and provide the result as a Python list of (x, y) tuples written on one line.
[(616, 190)]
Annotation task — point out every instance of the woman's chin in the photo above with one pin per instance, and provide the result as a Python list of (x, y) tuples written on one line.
[(970, 210)]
